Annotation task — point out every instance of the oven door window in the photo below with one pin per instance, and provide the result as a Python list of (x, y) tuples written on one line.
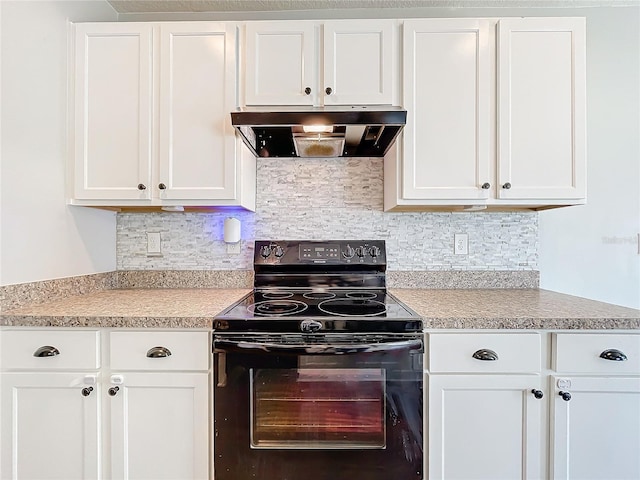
[(318, 408)]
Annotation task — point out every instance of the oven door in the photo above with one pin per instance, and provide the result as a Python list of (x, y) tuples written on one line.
[(318, 406)]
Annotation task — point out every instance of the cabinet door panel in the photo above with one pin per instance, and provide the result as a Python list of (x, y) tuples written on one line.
[(280, 63), (541, 97), (484, 427), (113, 75), (49, 429), (358, 62), (596, 434), (446, 94), (197, 143), (159, 427)]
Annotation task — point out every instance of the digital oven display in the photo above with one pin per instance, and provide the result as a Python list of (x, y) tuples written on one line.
[(328, 251)]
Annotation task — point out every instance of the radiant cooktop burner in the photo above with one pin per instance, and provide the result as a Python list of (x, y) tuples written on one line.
[(314, 286), (277, 307), (350, 307), (277, 295), (318, 295)]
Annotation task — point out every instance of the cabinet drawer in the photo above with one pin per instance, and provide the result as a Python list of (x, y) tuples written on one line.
[(581, 353), (50, 350), (514, 353), (159, 350)]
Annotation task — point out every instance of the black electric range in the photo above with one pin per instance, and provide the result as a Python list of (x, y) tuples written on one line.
[(313, 286)]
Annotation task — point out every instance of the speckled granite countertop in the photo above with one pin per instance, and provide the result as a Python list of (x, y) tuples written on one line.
[(132, 308), (512, 309), (195, 308)]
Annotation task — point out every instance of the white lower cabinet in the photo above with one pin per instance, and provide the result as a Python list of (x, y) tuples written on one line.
[(595, 411), (159, 426), (69, 415), (485, 406), (485, 427), (498, 402), (50, 427), (596, 432), (158, 397)]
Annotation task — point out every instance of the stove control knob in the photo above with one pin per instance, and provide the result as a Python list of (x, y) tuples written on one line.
[(265, 251), (360, 251), (349, 252), (374, 251), (279, 251)]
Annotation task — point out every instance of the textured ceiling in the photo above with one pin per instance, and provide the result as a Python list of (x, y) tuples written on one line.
[(170, 6)]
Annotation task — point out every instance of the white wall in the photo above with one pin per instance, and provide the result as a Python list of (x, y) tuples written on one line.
[(40, 236), (592, 250)]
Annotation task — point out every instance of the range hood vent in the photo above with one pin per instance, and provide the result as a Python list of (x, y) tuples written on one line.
[(359, 131)]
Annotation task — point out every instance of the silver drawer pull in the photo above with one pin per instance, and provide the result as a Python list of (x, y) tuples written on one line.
[(486, 355), (158, 352), (46, 351), (613, 354)]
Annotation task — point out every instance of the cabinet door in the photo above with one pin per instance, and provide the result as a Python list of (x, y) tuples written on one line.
[(484, 427), (446, 94), (197, 94), (596, 434), (358, 62), (49, 428), (160, 426), (541, 108), (280, 63), (113, 119)]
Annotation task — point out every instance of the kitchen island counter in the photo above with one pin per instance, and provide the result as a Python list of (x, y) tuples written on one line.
[(441, 309)]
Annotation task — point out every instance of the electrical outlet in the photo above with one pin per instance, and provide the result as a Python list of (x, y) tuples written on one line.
[(154, 248), (461, 244), (233, 248)]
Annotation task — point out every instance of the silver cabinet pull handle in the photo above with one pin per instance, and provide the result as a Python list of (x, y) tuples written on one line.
[(46, 351), (158, 352), (486, 355), (613, 354)]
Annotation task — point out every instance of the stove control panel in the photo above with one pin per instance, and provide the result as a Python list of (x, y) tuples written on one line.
[(329, 252)]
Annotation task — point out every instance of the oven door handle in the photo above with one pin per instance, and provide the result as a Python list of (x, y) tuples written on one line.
[(247, 346)]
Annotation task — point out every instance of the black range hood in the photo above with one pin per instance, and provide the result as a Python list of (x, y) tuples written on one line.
[(347, 131)]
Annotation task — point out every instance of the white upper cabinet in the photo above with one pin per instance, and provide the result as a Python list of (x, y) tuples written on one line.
[(113, 111), (279, 62), (495, 115), (541, 108), (338, 62), (358, 62), (197, 94), (152, 116), (446, 81)]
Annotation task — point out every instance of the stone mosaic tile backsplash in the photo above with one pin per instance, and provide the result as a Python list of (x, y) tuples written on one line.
[(324, 199)]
